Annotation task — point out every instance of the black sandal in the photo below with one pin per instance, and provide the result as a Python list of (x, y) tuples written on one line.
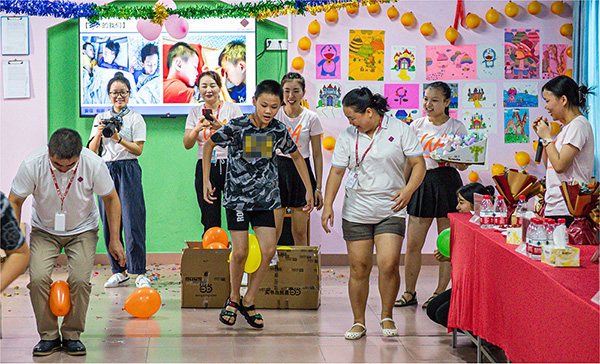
[(226, 313), (402, 302), (435, 294), (251, 319)]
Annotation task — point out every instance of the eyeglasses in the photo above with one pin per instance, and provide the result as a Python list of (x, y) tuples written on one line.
[(118, 93)]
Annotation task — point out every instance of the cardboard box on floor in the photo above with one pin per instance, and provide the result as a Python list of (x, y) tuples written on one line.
[(295, 282), (204, 276)]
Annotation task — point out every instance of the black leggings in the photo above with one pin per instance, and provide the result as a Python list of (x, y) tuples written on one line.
[(211, 213), (439, 307)]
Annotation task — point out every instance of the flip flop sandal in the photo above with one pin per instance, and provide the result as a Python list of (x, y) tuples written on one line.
[(251, 319), (435, 294), (402, 302), (226, 313)]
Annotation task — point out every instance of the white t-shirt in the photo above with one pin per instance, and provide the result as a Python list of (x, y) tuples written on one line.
[(301, 128), (133, 130), (228, 111), (579, 134), (381, 173), (34, 178), (430, 136)]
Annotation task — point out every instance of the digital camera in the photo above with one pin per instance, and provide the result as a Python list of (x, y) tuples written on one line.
[(112, 125)]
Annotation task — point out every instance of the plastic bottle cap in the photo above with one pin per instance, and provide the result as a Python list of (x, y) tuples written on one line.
[(487, 197), (536, 220), (500, 197), (562, 221), (550, 221), (521, 197)]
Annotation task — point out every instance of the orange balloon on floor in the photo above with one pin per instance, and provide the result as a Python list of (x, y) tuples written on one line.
[(60, 298), (215, 235), (143, 302)]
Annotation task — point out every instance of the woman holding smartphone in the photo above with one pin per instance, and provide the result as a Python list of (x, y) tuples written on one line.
[(201, 123)]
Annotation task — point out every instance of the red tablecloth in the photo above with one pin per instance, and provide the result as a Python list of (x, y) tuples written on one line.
[(534, 312)]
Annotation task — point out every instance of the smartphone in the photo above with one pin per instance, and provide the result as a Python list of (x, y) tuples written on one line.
[(208, 114)]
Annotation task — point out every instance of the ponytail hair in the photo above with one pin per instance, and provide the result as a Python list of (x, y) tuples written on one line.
[(360, 99), (565, 86), (121, 78), (444, 89), (467, 191)]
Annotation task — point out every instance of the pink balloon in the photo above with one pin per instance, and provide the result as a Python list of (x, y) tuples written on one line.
[(176, 26), (148, 29), (170, 4)]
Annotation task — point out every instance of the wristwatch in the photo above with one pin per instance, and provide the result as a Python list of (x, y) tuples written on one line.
[(545, 142)]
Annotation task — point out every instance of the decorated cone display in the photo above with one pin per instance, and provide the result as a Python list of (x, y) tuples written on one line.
[(582, 202), (513, 183)]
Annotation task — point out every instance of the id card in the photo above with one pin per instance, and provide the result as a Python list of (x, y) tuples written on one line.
[(60, 221), (352, 179)]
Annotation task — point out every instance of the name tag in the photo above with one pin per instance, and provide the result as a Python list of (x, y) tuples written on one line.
[(352, 179), (60, 221)]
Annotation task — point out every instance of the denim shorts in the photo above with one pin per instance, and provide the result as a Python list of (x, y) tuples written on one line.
[(355, 231)]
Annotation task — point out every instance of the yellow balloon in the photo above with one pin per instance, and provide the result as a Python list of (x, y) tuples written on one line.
[(473, 176), (427, 29), (392, 12), (511, 9), (497, 169), (557, 7), (570, 52), (569, 73), (472, 20), (373, 8), (298, 63), (566, 30), (352, 8), (331, 15), (556, 128), (534, 7), (304, 43), (314, 27), (407, 19), (522, 158), (329, 143), (254, 256), (535, 145), (451, 34), (492, 16)]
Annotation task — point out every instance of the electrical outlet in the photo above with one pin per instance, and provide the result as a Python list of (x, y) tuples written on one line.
[(276, 44)]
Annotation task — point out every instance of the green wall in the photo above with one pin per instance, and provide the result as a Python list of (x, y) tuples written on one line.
[(168, 168)]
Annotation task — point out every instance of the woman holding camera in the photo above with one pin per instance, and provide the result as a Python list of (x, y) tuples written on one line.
[(201, 123), (118, 136)]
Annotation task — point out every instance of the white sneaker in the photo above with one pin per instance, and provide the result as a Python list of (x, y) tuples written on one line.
[(142, 281), (117, 280)]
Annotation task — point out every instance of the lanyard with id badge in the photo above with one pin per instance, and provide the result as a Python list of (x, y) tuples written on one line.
[(60, 217), (352, 178)]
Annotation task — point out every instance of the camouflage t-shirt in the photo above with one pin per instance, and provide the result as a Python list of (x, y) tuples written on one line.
[(251, 182)]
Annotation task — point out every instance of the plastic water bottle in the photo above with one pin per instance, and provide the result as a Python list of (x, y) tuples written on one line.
[(500, 213), (486, 213), (536, 238), (521, 210), (550, 226), (561, 228)]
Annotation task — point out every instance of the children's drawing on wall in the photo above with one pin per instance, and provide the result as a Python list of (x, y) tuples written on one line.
[(403, 95), (405, 115), (366, 55), (489, 61), (478, 95), (329, 100), (480, 120), (521, 53), (328, 61), (451, 62), (519, 94), (554, 60), (516, 125), (403, 63)]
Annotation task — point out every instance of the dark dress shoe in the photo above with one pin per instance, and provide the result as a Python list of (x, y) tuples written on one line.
[(47, 347), (74, 347)]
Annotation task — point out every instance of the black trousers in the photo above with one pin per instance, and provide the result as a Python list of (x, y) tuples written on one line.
[(211, 213), (439, 307)]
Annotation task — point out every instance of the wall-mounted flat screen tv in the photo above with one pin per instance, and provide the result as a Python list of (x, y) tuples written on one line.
[(163, 73)]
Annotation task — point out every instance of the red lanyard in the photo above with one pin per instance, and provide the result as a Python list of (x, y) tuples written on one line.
[(62, 198), (369, 148)]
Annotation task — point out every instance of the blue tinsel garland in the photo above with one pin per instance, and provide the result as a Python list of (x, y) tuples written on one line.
[(57, 9)]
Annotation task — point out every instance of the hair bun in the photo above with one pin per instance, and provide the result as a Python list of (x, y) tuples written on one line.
[(119, 75)]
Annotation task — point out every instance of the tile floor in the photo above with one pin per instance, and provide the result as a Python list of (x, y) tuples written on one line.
[(195, 335)]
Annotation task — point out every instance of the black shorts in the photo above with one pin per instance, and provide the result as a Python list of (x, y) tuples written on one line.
[(436, 196), (291, 187), (241, 220)]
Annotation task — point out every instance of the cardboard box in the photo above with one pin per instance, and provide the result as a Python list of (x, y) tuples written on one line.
[(567, 257), (294, 282), (204, 276)]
